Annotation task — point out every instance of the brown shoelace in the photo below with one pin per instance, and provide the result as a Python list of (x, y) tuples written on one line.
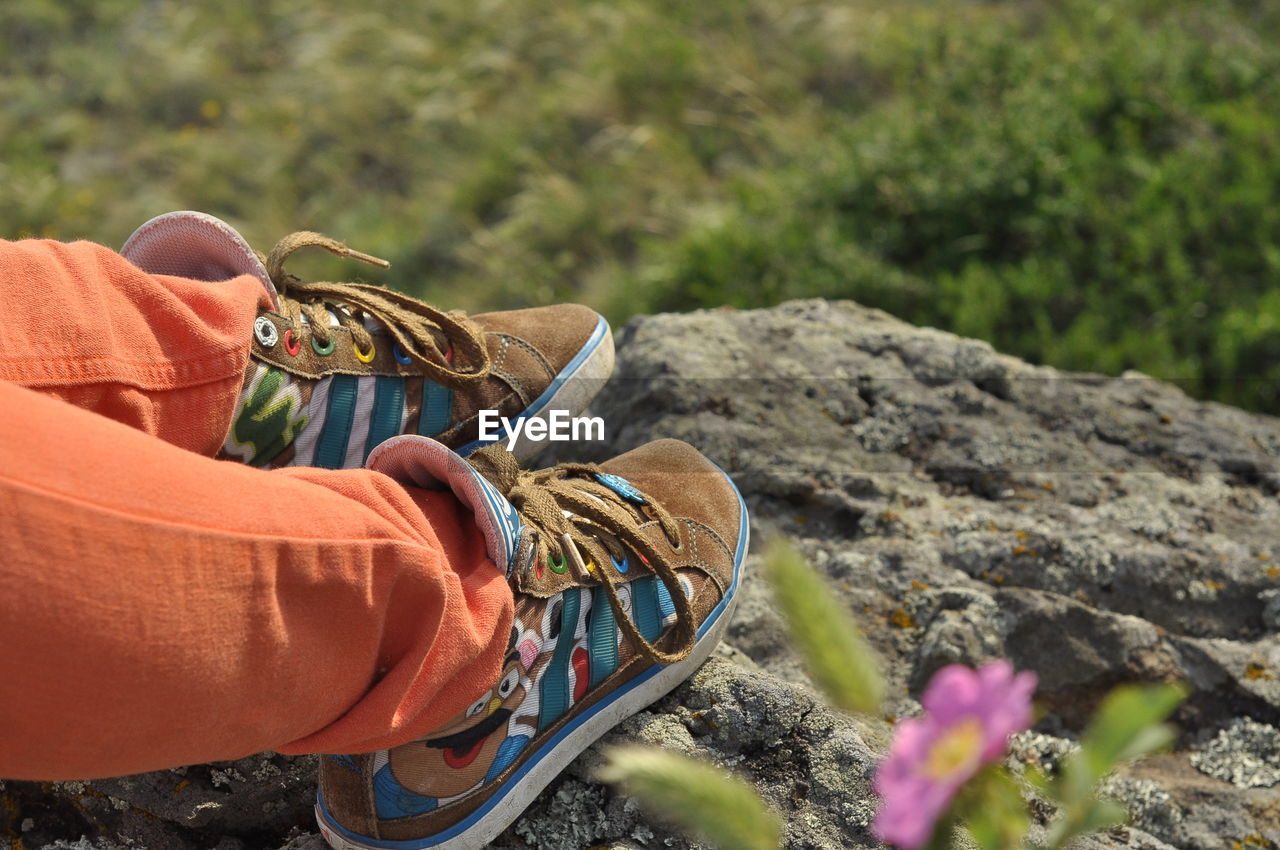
[(601, 523), (414, 326)]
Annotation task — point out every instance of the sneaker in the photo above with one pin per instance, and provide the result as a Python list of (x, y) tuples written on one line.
[(625, 576), (337, 368)]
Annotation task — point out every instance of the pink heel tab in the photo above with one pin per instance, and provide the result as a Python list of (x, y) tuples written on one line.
[(195, 245), (430, 465)]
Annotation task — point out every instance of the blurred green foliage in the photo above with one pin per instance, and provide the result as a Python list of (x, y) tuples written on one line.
[(1087, 183)]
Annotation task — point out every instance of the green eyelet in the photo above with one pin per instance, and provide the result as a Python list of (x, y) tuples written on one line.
[(328, 348), (559, 566)]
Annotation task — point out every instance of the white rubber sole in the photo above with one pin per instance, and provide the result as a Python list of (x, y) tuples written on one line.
[(506, 810), (571, 392)]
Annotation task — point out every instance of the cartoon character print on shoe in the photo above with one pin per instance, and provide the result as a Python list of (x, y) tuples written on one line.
[(481, 741), (543, 676), (485, 738)]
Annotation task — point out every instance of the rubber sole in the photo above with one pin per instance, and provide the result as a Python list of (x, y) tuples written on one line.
[(570, 391), (568, 744)]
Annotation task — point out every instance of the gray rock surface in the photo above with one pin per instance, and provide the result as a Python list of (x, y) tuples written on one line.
[(965, 505)]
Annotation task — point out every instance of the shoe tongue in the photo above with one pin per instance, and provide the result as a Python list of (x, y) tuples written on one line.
[(195, 245), (423, 462)]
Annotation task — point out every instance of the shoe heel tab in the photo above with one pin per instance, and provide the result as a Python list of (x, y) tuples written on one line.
[(431, 465), (195, 245)]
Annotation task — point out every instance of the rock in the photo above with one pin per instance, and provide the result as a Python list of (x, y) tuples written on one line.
[(231, 805), (1246, 753), (965, 505)]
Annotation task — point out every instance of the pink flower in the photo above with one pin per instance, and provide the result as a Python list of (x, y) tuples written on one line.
[(968, 719)]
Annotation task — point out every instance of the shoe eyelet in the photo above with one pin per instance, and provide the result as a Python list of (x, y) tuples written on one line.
[(325, 350), (621, 566), (539, 570), (266, 332), (291, 345), (448, 355), (365, 357), (401, 358), (643, 559), (559, 567)]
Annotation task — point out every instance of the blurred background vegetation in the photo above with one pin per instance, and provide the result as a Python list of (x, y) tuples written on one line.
[(1086, 183)]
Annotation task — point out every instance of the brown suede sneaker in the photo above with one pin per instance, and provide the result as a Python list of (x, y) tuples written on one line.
[(337, 368), (625, 577)]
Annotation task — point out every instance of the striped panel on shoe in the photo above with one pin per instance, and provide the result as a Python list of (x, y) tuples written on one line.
[(388, 412), (555, 694), (317, 416), (361, 422), (437, 406), (603, 640), (331, 449), (647, 612)]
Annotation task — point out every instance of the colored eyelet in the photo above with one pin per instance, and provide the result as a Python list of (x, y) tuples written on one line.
[(401, 358), (266, 332), (291, 345), (448, 355), (621, 566), (327, 349), (643, 559), (539, 570), (365, 357), (561, 565)]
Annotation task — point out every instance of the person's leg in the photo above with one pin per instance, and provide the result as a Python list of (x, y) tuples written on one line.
[(165, 355), (159, 608)]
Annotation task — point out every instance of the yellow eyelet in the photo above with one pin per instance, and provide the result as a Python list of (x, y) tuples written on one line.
[(363, 357)]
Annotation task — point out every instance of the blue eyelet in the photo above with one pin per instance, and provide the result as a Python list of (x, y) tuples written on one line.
[(621, 566), (401, 358)]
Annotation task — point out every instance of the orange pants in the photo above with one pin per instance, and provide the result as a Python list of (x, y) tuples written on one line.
[(159, 607)]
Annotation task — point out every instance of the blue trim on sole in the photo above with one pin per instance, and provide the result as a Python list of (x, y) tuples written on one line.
[(592, 343), (551, 743)]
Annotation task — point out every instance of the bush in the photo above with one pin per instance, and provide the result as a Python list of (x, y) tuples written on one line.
[(1092, 187), (1087, 184)]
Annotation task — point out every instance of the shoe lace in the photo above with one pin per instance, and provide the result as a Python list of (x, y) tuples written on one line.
[(416, 327), (569, 513)]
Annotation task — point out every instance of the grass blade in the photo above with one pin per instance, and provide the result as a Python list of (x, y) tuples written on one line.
[(694, 795), (838, 657)]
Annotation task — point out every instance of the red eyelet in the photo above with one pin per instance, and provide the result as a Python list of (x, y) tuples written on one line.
[(291, 345), (539, 569), (448, 355)]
